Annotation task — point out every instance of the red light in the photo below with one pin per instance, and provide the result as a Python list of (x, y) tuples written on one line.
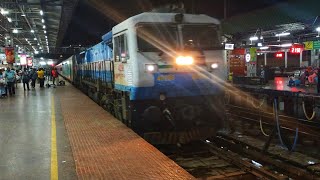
[(279, 55), (295, 50)]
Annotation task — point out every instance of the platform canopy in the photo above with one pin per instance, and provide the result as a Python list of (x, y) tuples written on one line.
[(299, 18)]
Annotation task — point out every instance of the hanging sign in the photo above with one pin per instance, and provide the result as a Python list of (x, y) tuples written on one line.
[(9, 51)]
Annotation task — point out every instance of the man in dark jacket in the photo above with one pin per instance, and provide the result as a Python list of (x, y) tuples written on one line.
[(25, 79), (34, 77)]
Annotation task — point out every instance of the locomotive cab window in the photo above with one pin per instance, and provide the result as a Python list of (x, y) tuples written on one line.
[(120, 48)]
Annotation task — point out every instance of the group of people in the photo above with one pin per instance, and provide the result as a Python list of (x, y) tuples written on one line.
[(9, 77), (307, 77)]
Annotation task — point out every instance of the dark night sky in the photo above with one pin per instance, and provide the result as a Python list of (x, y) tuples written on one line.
[(93, 18)]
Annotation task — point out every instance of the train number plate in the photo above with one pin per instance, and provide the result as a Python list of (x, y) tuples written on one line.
[(168, 77)]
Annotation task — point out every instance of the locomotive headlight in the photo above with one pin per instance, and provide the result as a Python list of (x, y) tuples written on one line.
[(151, 67), (184, 60), (214, 65)]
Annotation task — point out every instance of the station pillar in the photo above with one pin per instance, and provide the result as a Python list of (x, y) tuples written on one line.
[(286, 59)]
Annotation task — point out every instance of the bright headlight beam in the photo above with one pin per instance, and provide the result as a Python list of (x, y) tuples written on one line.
[(184, 60)]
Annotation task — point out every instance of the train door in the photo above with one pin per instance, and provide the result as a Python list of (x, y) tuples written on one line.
[(121, 61)]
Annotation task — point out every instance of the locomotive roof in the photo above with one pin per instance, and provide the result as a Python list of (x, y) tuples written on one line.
[(153, 17)]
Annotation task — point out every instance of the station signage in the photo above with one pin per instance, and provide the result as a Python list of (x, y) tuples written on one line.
[(279, 55), (296, 49), (310, 45)]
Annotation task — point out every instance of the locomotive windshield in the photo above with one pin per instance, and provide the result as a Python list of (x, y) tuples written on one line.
[(157, 37), (201, 37)]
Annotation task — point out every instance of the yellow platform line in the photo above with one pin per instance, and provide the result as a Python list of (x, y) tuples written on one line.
[(54, 158)]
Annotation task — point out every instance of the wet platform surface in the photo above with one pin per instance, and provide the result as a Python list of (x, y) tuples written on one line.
[(91, 144), (25, 137), (281, 84)]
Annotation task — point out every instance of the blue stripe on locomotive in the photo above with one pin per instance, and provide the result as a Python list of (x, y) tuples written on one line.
[(182, 86)]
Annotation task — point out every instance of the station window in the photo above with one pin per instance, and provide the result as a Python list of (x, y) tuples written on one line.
[(120, 48)]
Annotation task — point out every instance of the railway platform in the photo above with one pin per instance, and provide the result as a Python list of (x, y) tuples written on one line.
[(60, 133)]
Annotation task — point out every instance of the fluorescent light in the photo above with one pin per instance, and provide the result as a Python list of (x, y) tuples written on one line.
[(9, 19), (35, 39), (283, 34), (318, 29), (38, 44), (36, 52), (254, 38), (41, 12), (26, 39), (41, 58), (44, 26), (15, 31), (286, 45), (265, 47), (259, 44), (23, 15), (32, 31), (4, 12), (42, 20), (45, 31)]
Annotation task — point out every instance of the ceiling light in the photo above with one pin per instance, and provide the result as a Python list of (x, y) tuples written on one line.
[(283, 34), (45, 31), (318, 29), (15, 31), (265, 47), (32, 31), (9, 19), (35, 39), (36, 52), (4, 12), (46, 37), (40, 47), (41, 12), (259, 44), (26, 39), (42, 20), (44, 26), (23, 15), (254, 38), (286, 45), (38, 44)]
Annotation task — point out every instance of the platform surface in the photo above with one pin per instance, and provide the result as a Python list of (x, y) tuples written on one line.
[(91, 144), (281, 84)]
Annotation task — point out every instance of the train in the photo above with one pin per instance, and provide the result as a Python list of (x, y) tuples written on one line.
[(161, 74)]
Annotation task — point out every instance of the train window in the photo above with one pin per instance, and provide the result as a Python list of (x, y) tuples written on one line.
[(203, 37), (157, 37), (120, 49)]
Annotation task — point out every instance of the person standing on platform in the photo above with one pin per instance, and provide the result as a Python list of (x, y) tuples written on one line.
[(10, 76), (34, 76), (40, 73), (2, 84), (54, 74), (25, 79)]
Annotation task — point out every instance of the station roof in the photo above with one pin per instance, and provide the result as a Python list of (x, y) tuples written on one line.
[(300, 18), (35, 24)]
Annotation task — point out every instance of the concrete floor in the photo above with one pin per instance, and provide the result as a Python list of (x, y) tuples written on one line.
[(25, 136)]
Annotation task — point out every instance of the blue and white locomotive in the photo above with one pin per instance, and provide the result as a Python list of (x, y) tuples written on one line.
[(159, 73)]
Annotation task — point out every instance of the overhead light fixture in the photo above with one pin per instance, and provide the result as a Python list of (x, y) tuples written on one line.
[(261, 37), (46, 37), (4, 12), (44, 26), (35, 39), (15, 31), (259, 44), (283, 34), (286, 45), (42, 20), (318, 29), (41, 12), (23, 15), (45, 31), (254, 38), (32, 31), (38, 44), (9, 19), (26, 39), (36, 52), (265, 47)]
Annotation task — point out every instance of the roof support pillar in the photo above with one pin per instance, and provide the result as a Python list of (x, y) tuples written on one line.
[(265, 59), (285, 59), (300, 64)]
